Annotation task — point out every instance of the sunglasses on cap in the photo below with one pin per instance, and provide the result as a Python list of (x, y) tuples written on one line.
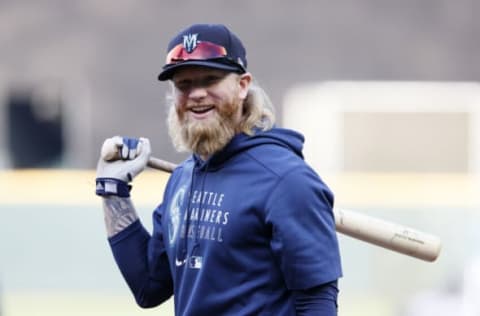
[(203, 51)]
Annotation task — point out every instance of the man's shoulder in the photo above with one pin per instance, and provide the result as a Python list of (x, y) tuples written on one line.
[(275, 159)]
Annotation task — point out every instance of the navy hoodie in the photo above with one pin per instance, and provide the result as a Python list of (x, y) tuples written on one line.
[(236, 234)]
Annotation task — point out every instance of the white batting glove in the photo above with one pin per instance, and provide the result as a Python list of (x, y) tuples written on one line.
[(121, 159)]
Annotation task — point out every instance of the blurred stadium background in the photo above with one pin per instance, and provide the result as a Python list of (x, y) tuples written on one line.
[(386, 93)]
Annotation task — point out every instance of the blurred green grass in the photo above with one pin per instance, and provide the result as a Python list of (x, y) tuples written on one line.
[(72, 303), (55, 260)]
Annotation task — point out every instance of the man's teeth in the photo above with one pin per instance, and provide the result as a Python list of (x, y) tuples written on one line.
[(201, 109)]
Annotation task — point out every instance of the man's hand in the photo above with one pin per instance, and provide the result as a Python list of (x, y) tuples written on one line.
[(121, 159)]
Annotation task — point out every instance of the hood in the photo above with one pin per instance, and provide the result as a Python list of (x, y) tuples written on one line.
[(243, 142)]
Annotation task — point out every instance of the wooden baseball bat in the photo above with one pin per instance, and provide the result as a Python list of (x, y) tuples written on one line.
[(396, 237)]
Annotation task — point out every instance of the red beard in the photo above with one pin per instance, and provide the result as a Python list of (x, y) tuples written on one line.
[(203, 137)]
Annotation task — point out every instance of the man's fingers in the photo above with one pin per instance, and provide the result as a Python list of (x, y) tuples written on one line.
[(110, 148), (123, 158), (144, 149), (125, 148), (129, 148)]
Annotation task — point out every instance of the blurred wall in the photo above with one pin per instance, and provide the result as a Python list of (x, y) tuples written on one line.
[(388, 126), (106, 54)]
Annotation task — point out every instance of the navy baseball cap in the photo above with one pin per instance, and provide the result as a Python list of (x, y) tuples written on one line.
[(207, 45)]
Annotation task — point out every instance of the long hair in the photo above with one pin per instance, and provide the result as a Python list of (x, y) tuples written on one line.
[(258, 111)]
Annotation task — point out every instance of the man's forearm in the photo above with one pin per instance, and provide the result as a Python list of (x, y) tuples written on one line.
[(150, 282), (119, 213)]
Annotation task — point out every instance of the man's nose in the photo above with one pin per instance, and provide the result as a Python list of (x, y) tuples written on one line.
[(198, 92)]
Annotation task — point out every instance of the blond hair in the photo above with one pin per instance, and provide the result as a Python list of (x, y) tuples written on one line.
[(258, 111)]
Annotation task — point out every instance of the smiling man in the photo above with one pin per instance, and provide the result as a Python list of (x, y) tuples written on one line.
[(245, 226), (208, 108)]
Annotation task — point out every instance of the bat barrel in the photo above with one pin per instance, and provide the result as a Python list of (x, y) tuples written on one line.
[(388, 235)]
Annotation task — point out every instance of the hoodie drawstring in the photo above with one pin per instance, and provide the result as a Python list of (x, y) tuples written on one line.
[(196, 242)]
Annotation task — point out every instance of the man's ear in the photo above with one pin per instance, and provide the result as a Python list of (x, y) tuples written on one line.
[(244, 83)]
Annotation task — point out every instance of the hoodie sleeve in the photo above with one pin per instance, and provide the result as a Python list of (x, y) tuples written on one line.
[(304, 240), (143, 262)]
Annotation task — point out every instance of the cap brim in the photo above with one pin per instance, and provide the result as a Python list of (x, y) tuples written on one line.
[(169, 70)]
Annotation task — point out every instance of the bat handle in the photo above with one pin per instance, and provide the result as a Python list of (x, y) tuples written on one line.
[(160, 164)]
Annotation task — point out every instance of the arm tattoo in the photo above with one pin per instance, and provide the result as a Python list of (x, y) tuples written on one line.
[(119, 214)]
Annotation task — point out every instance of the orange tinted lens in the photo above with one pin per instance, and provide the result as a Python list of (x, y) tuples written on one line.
[(203, 50)]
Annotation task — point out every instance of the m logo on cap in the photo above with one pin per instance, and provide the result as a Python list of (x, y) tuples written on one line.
[(190, 42)]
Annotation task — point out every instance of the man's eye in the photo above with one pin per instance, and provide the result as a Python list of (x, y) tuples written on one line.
[(211, 80), (183, 85)]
